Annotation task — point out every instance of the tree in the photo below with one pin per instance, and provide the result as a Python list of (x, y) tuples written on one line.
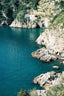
[(62, 4)]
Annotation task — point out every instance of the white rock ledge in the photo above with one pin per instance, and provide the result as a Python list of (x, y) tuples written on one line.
[(44, 55), (48, 79)]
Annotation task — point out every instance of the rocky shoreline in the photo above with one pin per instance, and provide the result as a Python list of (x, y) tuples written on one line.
[(54, 43), (47, 81), (29, 24), (45, 55), (53, 50), (16, 24)]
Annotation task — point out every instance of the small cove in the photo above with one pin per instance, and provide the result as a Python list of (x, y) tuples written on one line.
[(17, 67)]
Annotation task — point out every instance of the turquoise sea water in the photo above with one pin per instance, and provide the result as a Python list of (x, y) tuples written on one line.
[(17, 66)]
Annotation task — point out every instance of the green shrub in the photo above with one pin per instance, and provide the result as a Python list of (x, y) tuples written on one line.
[(57, 90), (33, 92), (23, 93), (62, 3)]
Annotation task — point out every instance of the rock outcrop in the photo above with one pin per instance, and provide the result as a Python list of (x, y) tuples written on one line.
[(15, 23), (44, 55), (18, 24), (52, 39), (54, 42), (48, 79), (40, 92)]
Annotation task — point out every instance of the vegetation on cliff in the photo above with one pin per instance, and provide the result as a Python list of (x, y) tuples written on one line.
[(9, 9), (16, 9), (52, 38), (57, 90), (23, 93), (58, 21)]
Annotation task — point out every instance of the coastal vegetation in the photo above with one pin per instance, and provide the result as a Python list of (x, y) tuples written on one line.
[(58, 21), (57, 90), (12, 8), (23, 93), (38, 12), (33, 92)]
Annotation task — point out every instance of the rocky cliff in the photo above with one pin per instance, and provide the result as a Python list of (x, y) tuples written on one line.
[(53, 39), (14, 12), (47, 81), (54, 42), (18, 24)]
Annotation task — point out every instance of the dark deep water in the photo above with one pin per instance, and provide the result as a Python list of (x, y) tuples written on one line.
[(17, 67)]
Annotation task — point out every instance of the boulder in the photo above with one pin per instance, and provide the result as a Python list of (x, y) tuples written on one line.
[(62, 62), (56, 67)]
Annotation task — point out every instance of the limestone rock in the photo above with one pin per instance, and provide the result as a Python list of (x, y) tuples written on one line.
[(34, 25), (56, 67), (62, 62), (41, 92), (63, 73), (38, 93), (54, 43), (48, 79), (44, 55), (52, 39), (16, 23)]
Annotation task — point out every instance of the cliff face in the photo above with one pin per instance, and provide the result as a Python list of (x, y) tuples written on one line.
[(10, 10), (13, 12), (52, 38), (44, 13), (18, 24)]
